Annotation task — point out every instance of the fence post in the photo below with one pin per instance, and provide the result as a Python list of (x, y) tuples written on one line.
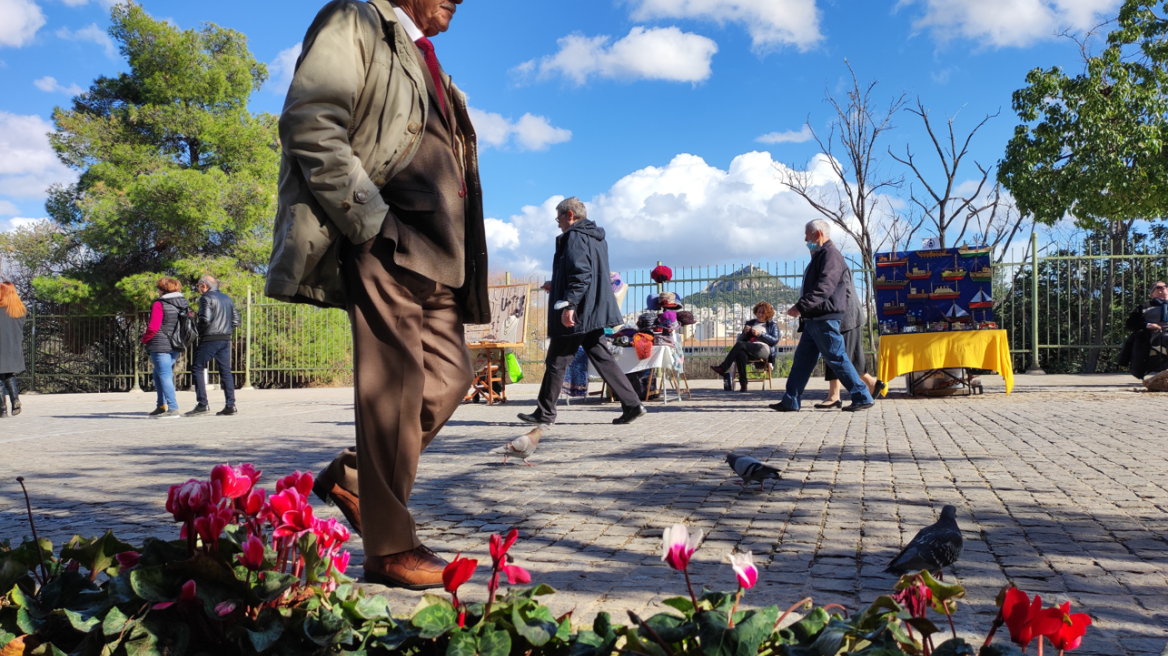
[(136, 387), (247, 344), (1034, 367), (32, 353), (506, 277)]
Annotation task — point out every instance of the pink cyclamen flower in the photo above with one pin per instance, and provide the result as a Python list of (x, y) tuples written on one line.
[(128, 559), (292, 514), (252, 556), (187, 500), (253, 504), (224, 608), (211, 524), (330, 533), (341, 562), (678, 546), (188, 594), (233, 484), (516, 574), (744, 569), (301, 482)]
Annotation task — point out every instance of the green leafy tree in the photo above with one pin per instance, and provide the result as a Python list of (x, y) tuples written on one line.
[(1092, 145), (177, 177)]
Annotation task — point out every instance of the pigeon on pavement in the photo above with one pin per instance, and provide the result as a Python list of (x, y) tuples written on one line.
[(751, 470), (521, 447), (934, 548)]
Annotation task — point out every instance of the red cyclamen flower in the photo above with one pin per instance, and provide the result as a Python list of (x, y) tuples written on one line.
[(292, 514), (210, 525), (234, 484), (301, 482), (516, 574), (252, 505), (128, 559), (458, 572), (744, 569), (253, 554), (499, 547), (1071, 630), (1027, 620), (341, 562), (678, 546), (188, 500)]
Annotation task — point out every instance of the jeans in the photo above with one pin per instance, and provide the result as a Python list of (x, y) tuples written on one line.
[(220, 352), (8, 387), (164, 378), (822, 337)]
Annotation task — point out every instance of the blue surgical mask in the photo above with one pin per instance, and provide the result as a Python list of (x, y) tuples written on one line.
[(812, 246)]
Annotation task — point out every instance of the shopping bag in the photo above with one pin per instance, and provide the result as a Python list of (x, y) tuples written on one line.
[(514, 371)]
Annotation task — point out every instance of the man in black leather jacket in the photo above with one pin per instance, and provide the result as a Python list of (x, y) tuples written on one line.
[(217, 320)]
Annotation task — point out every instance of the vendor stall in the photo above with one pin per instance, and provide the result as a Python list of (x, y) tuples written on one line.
[(929, 352)]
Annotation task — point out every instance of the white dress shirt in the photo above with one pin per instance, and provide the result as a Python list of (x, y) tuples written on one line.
[(408, 23)]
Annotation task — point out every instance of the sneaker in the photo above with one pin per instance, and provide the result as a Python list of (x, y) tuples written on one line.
[(631, 414), (170, 414), (158, 411), (199, 410), (227, 411)]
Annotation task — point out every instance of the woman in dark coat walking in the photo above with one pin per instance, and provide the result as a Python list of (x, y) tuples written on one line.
[(12, 313)]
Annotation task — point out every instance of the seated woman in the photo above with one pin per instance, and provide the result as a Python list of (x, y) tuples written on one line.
[(757, 341), (1146, 350)]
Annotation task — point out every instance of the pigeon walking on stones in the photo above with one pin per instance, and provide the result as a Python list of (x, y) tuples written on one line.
[(934, 548), (750, 469), (521, 447)]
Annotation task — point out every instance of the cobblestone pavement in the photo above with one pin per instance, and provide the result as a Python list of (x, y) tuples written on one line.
[(1060, 487)]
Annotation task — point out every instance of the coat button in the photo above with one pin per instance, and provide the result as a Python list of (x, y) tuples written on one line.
[(414, 127), (345, 205), (361, 196)]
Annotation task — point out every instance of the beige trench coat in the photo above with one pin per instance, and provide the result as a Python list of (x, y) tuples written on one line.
[(352, 120)]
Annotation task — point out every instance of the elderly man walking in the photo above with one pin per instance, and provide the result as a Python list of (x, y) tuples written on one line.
[(820, 309), (217, 321), (381, 212), (581, 306)]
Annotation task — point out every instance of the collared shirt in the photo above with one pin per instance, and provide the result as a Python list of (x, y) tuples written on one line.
[(408, 23)]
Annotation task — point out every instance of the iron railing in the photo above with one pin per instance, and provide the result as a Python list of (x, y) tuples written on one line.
[(1067, 315)]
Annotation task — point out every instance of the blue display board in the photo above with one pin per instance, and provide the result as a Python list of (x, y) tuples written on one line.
[(923, 287)]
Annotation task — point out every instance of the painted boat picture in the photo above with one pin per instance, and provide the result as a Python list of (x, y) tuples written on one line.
[(894, 306), (984, 274), (981, 300), (956, 272), (883, 282), (936, 253), (973, 251), (956, 315), (890, 260), (916, 273), (944, 292), (917, 294)]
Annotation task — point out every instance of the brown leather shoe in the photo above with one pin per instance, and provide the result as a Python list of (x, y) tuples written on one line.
[(334, 495), (742, 387), (416, 569)]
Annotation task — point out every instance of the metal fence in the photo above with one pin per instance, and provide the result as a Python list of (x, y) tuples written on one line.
[(1067, 314)]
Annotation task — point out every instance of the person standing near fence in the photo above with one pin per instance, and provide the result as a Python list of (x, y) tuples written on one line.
[(218, 319), (851, 329), (161, 342), (820, 309), (582, 305), (12, 313), (381, 212)]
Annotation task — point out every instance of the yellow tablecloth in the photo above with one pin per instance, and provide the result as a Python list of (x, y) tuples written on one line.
[(979, 349)]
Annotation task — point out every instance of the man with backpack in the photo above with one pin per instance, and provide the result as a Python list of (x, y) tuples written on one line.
[(217, 320)]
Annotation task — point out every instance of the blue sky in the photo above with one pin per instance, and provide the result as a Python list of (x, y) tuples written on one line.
[(649, 110)]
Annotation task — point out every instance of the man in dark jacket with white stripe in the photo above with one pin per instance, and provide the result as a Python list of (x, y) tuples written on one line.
[(820, 309), (218, 320), (581, 306)]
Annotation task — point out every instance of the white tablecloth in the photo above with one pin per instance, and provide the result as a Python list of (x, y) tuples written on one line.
[(660, 358)]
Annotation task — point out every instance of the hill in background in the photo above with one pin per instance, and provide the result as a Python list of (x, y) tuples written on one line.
[(746, 287)]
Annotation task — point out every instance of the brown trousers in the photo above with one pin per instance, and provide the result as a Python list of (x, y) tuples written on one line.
[(411, 369)]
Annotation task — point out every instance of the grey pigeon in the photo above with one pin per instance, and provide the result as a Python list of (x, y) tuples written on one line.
[(751, 470), (934, 548), (521, 447)]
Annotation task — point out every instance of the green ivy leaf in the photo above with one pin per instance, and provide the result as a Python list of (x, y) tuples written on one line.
[(272, 585), (711, 600), (399, 634), (543, 590), (462, 643), (495, 643), (153, 584), (12, 572), (535, 626), (114, 623), (680, 603), (923, 624), (269, 626), (940, 590), (79, 621), (325, 628), (433, 621), (719, 639), (372, 608), (805, 630), (160, 552)]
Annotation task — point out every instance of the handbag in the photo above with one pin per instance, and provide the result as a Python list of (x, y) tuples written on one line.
[(514, 371)]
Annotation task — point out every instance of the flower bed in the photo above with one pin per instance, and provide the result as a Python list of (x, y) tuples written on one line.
[(255, 574)]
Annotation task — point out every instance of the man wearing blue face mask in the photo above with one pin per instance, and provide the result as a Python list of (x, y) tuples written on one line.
[(820, 309)]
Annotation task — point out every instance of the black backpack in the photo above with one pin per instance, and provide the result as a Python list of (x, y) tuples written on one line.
[(185, 333)]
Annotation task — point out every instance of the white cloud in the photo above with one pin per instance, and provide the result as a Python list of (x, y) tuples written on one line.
[(21, 20), (17, 222), (7, 208), (90, 34), (664, 53), (790, 136), (530, 132), (50, 85), (29, 164), (686, 211), (770, 23), (501, 235), (1006, 23), (283, 67)]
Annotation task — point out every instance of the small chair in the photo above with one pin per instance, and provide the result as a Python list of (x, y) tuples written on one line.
[(763, 370)]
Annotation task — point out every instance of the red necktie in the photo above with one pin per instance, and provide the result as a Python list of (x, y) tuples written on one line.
[(432, 64)]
